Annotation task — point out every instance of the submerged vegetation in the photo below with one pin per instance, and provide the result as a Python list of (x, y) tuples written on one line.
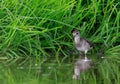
[(36, 44)]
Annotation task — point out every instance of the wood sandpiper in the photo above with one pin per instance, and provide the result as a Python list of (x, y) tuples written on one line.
[(81, 44)]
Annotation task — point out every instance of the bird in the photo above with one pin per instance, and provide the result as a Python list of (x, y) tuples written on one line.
[(81, 44)]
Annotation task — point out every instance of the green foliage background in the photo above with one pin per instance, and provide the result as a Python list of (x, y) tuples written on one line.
[(42, 29)]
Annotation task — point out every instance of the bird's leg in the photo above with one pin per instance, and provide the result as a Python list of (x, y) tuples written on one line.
[(85, 55)]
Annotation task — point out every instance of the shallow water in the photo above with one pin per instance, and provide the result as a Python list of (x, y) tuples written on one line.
[(50, 71), (32, 71)]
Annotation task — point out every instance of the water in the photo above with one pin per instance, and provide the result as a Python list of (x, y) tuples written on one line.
[(80, 66), (50, 71), (30, 71)]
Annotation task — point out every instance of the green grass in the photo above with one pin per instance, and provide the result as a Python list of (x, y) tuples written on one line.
[(41, 30)]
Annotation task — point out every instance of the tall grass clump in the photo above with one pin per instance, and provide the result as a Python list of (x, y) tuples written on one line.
[(42, 29)]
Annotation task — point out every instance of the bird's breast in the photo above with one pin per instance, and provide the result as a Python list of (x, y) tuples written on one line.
[(77, 39)]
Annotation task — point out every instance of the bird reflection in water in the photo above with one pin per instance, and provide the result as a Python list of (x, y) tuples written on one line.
[(81, 65)]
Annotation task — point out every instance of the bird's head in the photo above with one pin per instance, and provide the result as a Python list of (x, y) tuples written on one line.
[(75, 33)]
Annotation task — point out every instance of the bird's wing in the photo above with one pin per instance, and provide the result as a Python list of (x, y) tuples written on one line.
[(91, 44)]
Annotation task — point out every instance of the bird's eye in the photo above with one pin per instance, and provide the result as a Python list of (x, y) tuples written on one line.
[(77, 33)]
